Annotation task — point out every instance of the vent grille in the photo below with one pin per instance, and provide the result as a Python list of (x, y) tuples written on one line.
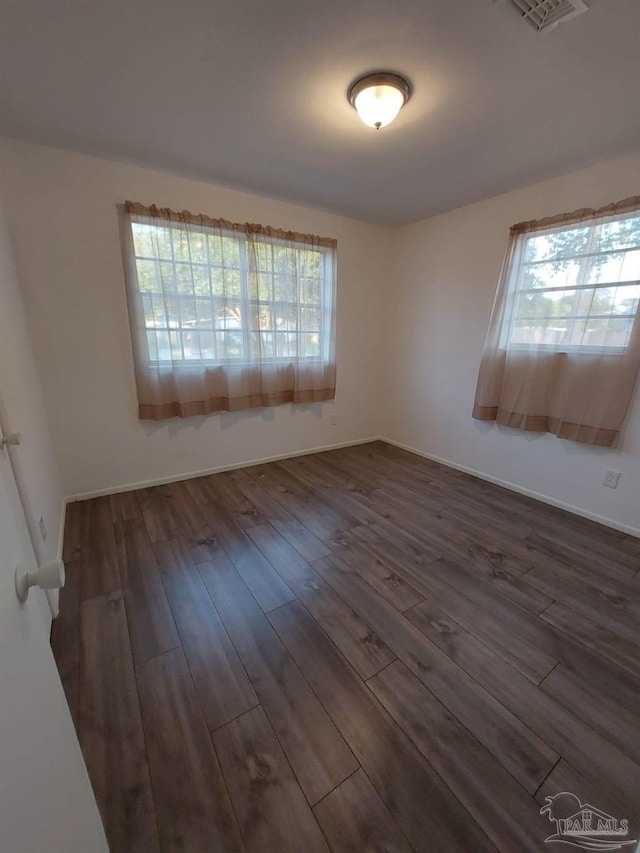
[(547, 14)]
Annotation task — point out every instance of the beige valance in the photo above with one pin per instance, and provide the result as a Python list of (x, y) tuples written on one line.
[(618, 208), (184, 216)]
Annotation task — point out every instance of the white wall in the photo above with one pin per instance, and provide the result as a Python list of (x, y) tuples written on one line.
[(64, 229), (413, 309), (445, 275), (22, 410)]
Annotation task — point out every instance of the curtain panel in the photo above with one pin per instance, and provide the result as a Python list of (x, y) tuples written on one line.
[(563, 348), (226, 316)]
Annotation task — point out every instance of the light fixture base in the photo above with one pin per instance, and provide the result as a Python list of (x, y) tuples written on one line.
[(379, 78), (379, 82)]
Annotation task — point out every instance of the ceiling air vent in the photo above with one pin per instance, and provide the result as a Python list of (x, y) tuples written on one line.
[(547, 14)]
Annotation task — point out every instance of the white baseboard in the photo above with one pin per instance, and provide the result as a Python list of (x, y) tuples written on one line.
[(174, 478), (514, 487), (63, 518), (53, 595)]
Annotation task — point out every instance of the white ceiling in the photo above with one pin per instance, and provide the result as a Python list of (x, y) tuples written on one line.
[(253, 94)]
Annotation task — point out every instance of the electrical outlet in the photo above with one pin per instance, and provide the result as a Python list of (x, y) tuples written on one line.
[(611, 479), (334, 420), (43, 528)]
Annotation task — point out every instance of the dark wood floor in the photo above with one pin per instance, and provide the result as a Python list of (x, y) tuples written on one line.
[(357, 650)]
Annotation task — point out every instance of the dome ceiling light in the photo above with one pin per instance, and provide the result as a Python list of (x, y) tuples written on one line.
[(379, 97)]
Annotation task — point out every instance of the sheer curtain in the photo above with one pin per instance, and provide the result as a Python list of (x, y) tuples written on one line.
[(226, 316), (563, 348)]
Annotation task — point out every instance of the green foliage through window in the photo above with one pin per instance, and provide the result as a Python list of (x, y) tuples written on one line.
[(575, 287)]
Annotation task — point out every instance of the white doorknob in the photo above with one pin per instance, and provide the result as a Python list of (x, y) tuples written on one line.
[(13, 438), (49, 576)]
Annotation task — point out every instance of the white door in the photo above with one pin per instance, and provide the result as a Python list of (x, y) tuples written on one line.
[(46, 801)]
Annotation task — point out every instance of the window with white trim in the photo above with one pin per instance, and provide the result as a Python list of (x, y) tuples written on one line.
[(210, 296), (574, 288)]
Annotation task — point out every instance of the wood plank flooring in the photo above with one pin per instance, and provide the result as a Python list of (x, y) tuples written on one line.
[(357, 650)]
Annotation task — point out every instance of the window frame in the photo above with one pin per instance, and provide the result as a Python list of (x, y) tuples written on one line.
[(325, 305), (516, 270)]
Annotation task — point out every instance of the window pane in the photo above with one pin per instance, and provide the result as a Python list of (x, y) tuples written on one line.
[(312, 290), (161, 242), (188, 312), (224, 251), (172, 310), (158, 313), (605, 268), (163, 347), (142, 239), (199, 345), (310, 345), (148, 275), (225, 282), (167, 276), (552, 331), (197, 247), (205, 313), (229, 344), (262, 318), (625, 298), (200, 277), (229, 317), (152, 344), (285, 288), (175, 342), (310, 264), (180, 245), (630, 267), (146, 308), (558, 245), (551, 274), (184, 278), (286, 317), (284, 261), (286, 344), (263, 344), (620, 234), (311, 319), (559, 303), (614, 331), (191, 344), (207, 345), (264, 287)]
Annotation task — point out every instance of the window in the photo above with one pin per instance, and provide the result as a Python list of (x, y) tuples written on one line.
[(210, 296), (232, 316), (563, 348), (575, 288)]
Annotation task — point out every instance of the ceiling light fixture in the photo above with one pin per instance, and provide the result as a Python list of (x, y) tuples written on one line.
[(379, 97)]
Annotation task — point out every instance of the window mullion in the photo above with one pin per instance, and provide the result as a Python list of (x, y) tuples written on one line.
[(177, 298), (212, 304), (586, 267), (245, 300)]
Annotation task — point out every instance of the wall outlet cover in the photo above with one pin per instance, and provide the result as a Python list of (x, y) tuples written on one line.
[(611, 479)]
